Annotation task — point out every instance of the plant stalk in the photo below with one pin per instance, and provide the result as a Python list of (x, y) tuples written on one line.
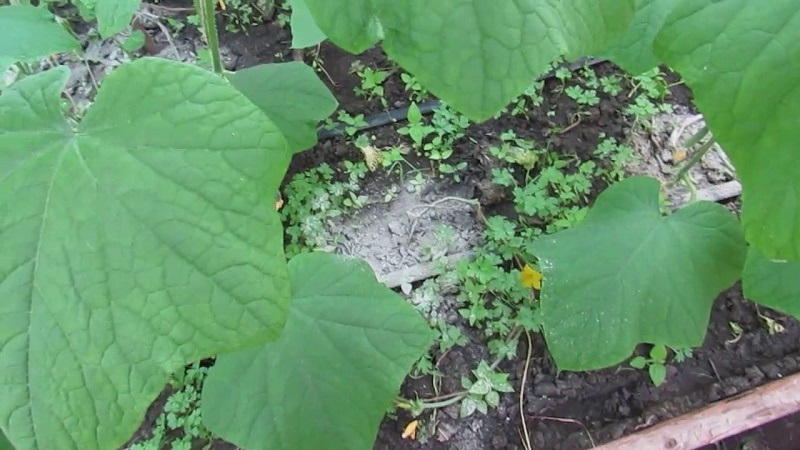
[(205, 9), (456, 397), (695, 138), (696, 157)]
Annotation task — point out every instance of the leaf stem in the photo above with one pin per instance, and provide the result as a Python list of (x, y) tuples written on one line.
[(205, 9), (696, 157), (695, 138), (454, 397)]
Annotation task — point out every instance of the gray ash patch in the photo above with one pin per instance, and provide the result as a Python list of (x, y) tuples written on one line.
[(417, 226)]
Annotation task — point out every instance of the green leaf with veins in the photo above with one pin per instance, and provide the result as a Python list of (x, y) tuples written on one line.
[(143, 240), (28, 33), (4, 443), (633, 51), (627, 275), (774, 284), (305, 32), (329, 378), (478, 55), (114, 15), (742, 61), (292, 95)]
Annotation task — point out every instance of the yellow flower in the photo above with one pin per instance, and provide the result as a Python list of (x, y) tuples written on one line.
[(531, 277), (410, 432)]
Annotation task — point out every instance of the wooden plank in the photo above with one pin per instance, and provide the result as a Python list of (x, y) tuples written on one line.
[(718, 421)]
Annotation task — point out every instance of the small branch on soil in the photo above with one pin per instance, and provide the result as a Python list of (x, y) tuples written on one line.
[(526, 441), (434, 205), (570, 126), (715, 193), (164, 30), (721, 420), (572, 421), (678, 132), (421, 271)]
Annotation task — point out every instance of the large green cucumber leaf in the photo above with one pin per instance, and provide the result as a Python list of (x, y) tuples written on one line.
[(28, 33), (144, 239), (329, 378), (305, 32), (627, 275), (742, 60), (633, 51), (114, 15), (4, 443), (292, 95), (774, 284), (475, 54)]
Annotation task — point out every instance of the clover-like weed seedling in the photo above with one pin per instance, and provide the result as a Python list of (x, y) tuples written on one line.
[(371, 84), (655, 364), (484, 392), (611, 84), (583, 96)]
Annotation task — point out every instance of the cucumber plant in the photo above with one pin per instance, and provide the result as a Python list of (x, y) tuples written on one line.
[(144, 237)]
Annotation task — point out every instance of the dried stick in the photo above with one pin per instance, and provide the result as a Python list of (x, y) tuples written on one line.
[(719, 421)]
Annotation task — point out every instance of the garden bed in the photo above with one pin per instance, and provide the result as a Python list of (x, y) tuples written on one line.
[(403, 222)]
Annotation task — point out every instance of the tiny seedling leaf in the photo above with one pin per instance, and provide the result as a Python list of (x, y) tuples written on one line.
[(626, 275), (658, 353), (292, 95), (141, 241), (327, 381), (134, 42), (774, 284), (414, 115), (638, 362), (28, 33), (492, 399), (481, 387), (742, 61), (468, 407), (658, 373)]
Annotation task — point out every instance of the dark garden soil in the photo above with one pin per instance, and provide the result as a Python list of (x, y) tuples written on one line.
[(564, 410)]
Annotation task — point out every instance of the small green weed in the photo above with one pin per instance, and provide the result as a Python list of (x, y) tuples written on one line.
[(682, 353), (484, 391), (180, 423), (418, 93), (242, 15), (563, 74), (649, 89), (434, 141), (583, 96), (611, 84), (453, 170), (615, 157), (655, 364), (530, 98), (314, 197), (371, 83), (352, 123), (415, 127)]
